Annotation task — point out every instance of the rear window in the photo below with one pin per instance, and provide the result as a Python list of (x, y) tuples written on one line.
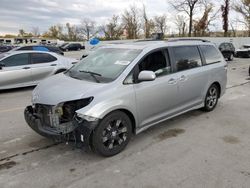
[(211, 54)]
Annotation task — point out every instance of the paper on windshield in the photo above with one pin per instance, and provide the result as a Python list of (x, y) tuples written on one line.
[(124, 63)]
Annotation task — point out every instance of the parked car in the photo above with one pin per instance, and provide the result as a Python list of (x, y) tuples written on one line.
[(120, 90), (40, 48), (5, 48), (27, 68), (72, 47), (228, 50), (64, 44), (244, 51)]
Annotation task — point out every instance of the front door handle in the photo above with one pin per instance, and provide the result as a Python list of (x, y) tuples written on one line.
[(172, 81), (183, 78), (26, 67), (53, 64)]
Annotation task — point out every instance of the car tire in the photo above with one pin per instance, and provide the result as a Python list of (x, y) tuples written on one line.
[(112, 134), (211, 98), (66, 50)]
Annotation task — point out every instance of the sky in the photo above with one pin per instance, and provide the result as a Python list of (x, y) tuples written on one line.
[(26, 14)]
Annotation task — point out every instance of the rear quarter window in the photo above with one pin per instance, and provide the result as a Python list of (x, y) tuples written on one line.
[(211, 54)]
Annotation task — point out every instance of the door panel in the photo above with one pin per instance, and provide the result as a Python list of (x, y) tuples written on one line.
[(192, 76), (17, 71), (18, 75), (192, 84), (156, 99), (43, 65)]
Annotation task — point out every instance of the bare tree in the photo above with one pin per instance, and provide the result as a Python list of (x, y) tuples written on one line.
[(187, 6), (180, 22), (233, 29), (148, 24), (54, 31), (225, 13), (131, 23), (113, 30), (73, 32), (160, 23), (88, 28), (243, 7), (201, 25), (21, 32), (35, 31)]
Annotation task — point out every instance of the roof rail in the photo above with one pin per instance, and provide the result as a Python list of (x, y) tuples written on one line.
[(146, 40), (187, 39)]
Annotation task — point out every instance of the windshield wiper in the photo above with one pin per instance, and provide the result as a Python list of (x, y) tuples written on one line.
[(93, 74)]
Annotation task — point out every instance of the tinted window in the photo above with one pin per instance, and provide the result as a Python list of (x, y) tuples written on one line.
[(42, 58), (155, 62), (16, 60), (25, 48), (211, 54), (40, 48), (187, 57)]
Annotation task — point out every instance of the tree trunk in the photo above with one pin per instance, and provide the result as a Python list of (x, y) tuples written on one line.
[(190, 23)]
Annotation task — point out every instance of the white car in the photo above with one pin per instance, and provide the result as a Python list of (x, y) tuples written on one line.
[(28, 68), (244, 51)]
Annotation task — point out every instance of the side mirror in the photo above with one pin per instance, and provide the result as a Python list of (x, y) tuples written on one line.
[(146, 76)]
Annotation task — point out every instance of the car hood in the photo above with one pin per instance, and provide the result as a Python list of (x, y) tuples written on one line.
[(62, 88)]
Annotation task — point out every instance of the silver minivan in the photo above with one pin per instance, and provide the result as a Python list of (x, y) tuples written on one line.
[(121, 90)]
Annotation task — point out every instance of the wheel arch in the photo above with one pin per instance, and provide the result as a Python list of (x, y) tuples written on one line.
[(128, 113), (218, 85)]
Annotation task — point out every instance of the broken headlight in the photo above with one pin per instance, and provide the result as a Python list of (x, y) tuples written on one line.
[(66, 110)]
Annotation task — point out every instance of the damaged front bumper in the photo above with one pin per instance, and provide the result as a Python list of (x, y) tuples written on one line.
[(78, 129)]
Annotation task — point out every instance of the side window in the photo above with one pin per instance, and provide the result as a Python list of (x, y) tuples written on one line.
[(42, 58), (187, 57), (16, 60), (211, 54), (155, 62)]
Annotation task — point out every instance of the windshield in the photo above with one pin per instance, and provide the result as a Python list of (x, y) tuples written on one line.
[(103, 65)]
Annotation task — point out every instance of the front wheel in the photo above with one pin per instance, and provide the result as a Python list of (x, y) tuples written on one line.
[(211, 99), (112, 135)]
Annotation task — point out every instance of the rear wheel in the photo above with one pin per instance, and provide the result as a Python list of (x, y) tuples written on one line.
[(211, 99), (112, 134)]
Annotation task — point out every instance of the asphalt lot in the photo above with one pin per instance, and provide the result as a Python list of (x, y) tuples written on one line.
[(196, 149)]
